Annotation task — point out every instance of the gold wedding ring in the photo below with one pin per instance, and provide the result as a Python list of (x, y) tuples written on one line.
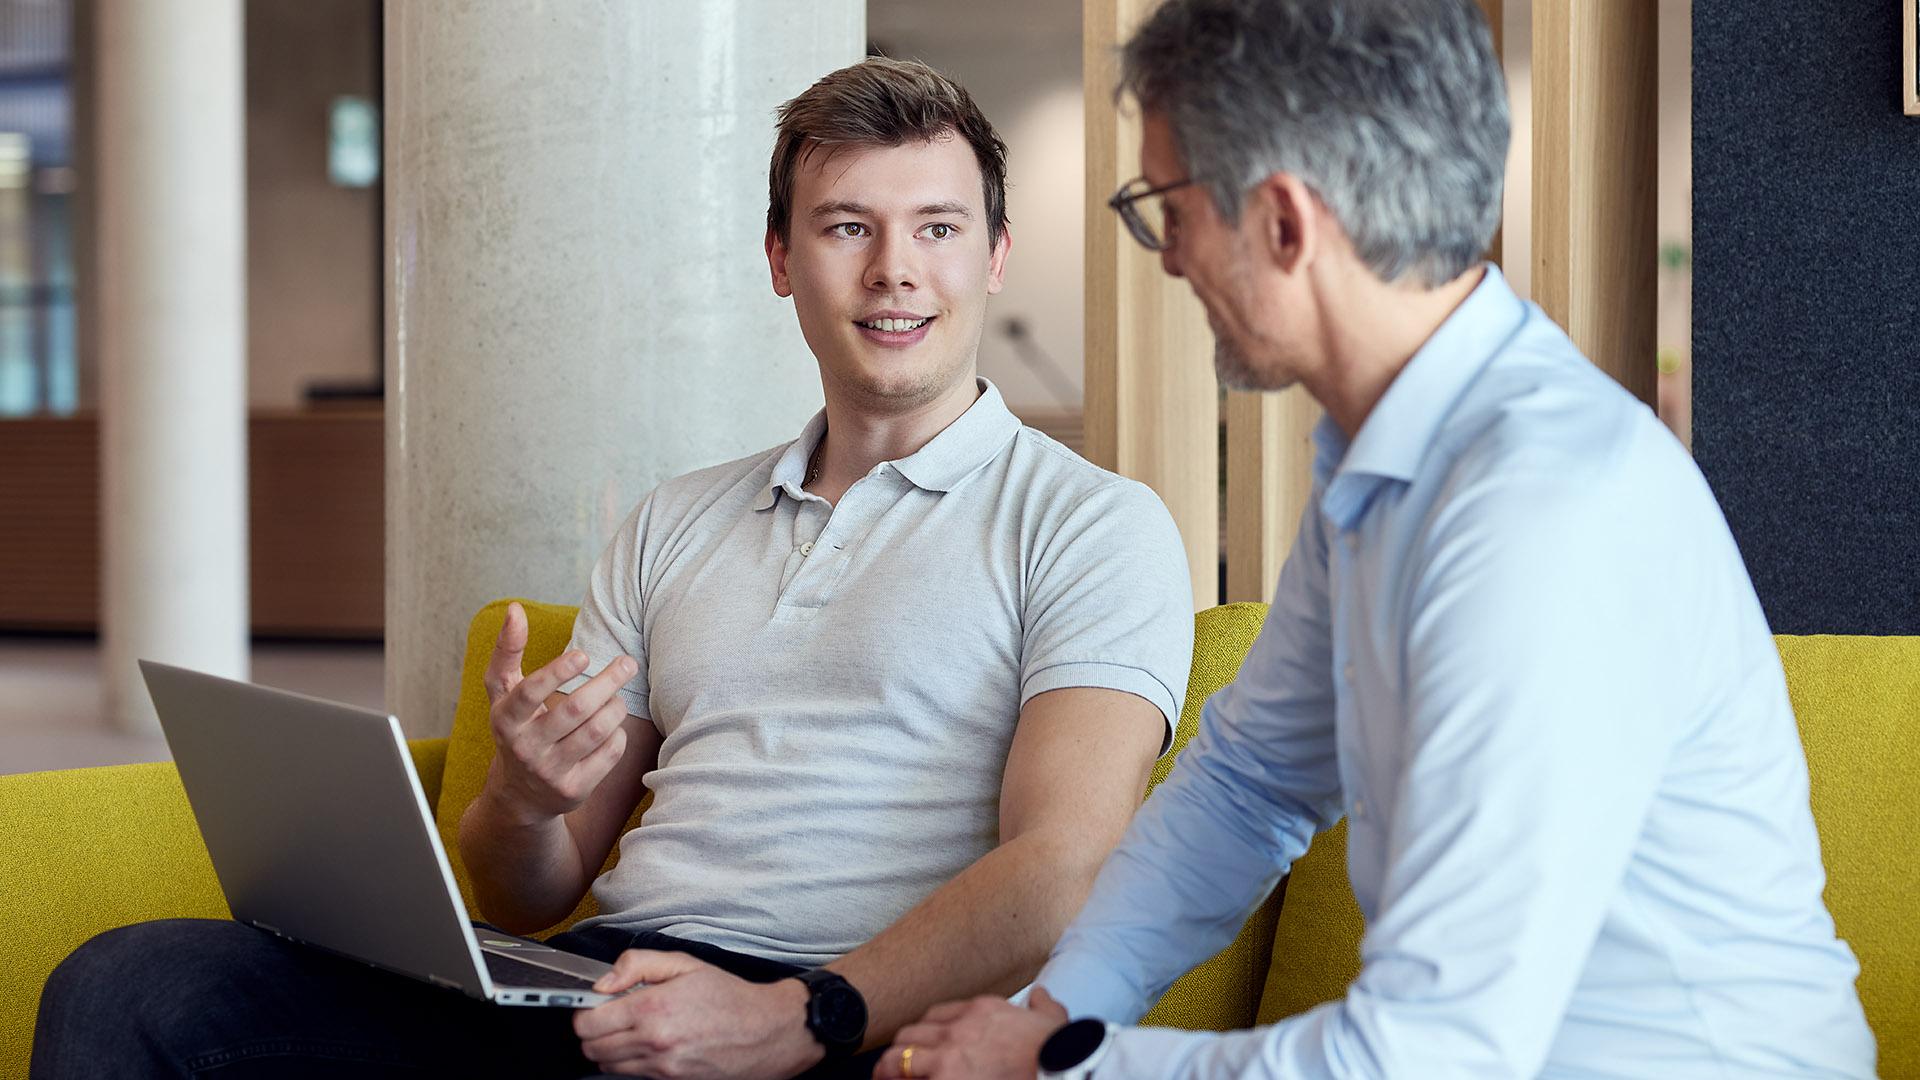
[(906, 1063)]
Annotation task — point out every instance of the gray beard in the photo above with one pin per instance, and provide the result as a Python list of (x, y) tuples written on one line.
[(1234, 370)]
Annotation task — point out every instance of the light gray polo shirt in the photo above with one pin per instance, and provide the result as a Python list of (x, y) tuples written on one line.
[(837, 686)]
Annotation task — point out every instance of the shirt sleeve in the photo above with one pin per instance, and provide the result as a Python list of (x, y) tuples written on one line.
[(1243, 801), (1109, 602), (612, 622), (1529, 754)]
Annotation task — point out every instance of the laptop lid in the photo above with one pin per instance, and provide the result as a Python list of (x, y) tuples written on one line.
[(317, 825)]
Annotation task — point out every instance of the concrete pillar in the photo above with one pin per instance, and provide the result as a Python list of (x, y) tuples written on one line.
[(170, 198), (578, 306)]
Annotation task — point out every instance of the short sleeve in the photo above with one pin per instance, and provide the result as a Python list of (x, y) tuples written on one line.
[(1109, 603), (612, 622)]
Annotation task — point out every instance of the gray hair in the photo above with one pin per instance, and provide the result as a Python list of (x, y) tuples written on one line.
[(1393, 111)]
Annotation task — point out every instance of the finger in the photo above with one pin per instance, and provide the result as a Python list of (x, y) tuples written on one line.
[(589, 738), (525, 701), (503, 669), (602, 1021), (907, 1061), (636, 966), (1042, 1002), (583, 778), (583, 701), (946, 1012), (922, 1034), (629, 1045)]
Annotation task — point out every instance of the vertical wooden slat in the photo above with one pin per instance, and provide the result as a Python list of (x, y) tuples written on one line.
[(1595, 83), (1269, 476), (1910, 57), (1495, 11), (1152, 405)]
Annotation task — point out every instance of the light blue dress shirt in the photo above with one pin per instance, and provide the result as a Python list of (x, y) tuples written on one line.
[(1516, 646)]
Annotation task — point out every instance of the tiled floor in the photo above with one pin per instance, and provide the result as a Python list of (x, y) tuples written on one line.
[(50, 697)]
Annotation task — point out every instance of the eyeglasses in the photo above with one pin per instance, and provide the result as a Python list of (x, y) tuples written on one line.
[(1146, 217)]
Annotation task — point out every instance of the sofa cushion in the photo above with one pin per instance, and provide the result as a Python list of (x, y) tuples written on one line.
[(1858, 702), (1223, 993), (1316, 942)]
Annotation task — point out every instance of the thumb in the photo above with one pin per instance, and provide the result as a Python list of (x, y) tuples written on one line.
[(637, 967), (1042, 1002), (503, 668)]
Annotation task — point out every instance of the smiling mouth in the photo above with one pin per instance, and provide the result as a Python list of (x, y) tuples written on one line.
[(894, 326)]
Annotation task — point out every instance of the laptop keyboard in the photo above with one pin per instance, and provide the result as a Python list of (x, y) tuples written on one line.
[(507, 971)]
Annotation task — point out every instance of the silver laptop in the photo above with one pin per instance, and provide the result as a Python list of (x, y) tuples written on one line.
[(320, 834)]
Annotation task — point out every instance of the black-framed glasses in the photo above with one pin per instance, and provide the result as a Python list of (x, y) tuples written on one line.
[(1145, 214)]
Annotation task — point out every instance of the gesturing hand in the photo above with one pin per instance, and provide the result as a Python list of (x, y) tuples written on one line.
[(551, 758), (692, 1021)]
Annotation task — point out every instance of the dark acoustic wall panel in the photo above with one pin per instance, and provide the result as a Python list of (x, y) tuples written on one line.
[(1806, 306)]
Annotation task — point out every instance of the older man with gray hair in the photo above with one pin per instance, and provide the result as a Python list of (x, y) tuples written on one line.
[(1514, 644)]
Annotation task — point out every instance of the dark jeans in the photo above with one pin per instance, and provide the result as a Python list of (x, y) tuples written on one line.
[(224, 1001)]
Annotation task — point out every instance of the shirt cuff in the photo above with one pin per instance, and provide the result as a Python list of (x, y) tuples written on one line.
[(1104, 675), (1085, 987)]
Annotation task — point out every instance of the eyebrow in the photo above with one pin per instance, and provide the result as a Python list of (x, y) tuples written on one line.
[(838, 207)]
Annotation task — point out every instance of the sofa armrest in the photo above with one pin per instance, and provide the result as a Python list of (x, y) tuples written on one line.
[(89, 850)]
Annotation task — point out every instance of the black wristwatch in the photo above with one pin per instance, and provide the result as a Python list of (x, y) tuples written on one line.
[(1072, 1052), (836, 1013)]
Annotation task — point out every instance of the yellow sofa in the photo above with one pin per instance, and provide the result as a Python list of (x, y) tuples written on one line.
[(91, 849)]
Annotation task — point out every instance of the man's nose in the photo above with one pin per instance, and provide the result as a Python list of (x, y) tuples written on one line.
[(1170, 262), (892, 265)]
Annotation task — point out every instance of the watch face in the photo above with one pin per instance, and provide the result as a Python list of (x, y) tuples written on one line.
[(1072, 1045), (839, 1014)]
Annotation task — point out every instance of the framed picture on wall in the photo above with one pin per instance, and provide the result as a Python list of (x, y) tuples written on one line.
[(1909, 46)]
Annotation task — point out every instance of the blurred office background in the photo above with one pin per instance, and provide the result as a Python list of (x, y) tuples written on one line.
[(319, 592)]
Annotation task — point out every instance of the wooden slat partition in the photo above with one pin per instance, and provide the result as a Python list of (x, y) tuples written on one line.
[(1269, 476), (1496, 13), (1152, 405), (1595, 88)]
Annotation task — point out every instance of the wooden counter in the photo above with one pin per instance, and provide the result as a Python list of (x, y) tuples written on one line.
[(317, 531)]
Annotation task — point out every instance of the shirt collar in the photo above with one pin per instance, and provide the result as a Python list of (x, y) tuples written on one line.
[(1399, 433), (947, 459)]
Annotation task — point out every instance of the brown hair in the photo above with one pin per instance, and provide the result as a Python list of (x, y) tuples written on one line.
[(883, 102)]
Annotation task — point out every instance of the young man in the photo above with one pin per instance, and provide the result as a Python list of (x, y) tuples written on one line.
[(1514, 644), (895, 688)]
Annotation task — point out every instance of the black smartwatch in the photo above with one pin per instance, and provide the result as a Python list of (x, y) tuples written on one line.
[(836, 1013), (1072, 1052)]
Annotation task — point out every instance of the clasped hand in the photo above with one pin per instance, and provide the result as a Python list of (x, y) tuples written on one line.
[(692, 1021), (986, 1038)]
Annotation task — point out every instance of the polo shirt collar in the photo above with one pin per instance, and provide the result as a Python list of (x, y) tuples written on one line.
[(959, 451), (1400, 431)]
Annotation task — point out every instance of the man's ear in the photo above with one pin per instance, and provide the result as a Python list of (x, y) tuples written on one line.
[(1285, 211), (777, 264), (997, 262)]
